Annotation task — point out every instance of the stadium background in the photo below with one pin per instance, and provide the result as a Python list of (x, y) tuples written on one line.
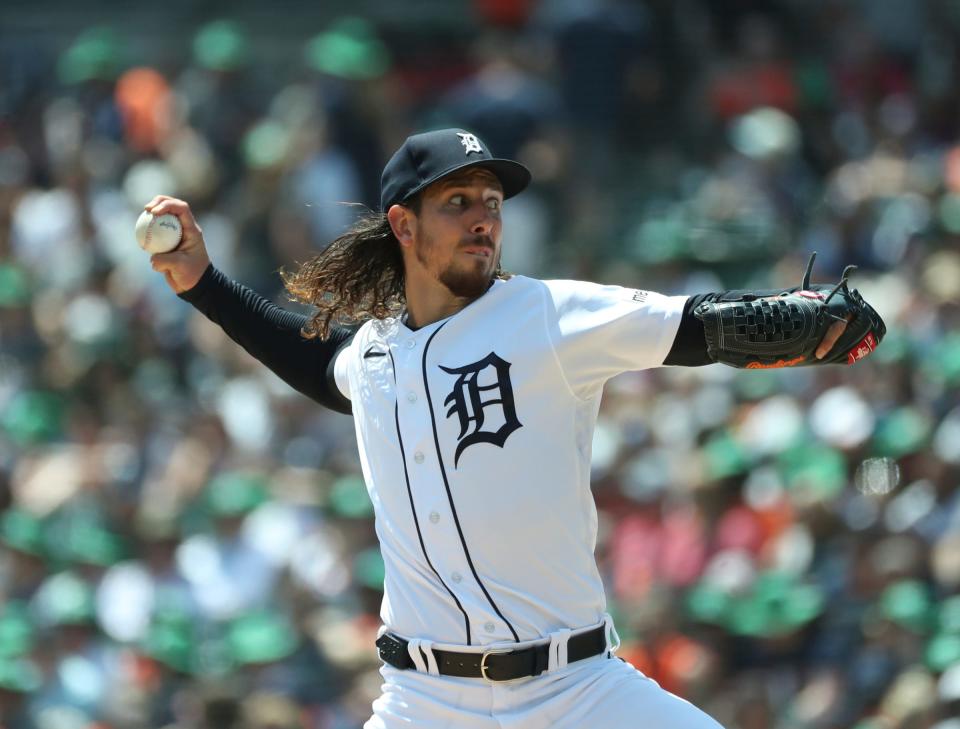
[(186, 542)]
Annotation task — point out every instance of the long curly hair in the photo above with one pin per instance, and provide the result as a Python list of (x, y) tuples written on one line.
[(359, 276)]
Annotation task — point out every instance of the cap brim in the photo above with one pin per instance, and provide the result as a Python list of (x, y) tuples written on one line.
[(513, 176)]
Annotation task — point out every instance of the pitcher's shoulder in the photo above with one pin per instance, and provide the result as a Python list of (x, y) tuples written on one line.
[(519, 285), (516, 290)]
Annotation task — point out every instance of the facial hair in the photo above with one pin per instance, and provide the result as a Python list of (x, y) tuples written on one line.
[(463, 282)]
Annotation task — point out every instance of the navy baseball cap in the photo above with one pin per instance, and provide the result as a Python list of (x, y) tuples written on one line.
[(424, 158)]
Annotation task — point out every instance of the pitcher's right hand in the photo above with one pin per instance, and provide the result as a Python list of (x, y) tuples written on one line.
[(183, 266)]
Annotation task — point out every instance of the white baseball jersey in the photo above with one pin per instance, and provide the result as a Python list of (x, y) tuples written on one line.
[(475, 440)]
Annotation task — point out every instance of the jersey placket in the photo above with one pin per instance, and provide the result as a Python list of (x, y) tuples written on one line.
[(431, 511), (434, 508)]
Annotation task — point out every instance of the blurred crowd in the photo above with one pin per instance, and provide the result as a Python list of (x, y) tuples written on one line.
[(185, 542)]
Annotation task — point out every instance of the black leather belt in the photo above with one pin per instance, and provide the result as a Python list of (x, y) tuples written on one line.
[(498, 664)]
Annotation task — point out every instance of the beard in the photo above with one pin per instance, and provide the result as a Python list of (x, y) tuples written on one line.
[(466, 281), (466, 284)]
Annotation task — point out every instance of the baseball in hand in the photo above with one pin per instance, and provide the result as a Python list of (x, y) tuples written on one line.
[(158, 234)]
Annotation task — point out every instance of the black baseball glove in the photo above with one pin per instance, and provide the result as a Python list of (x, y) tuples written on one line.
[(763, 332)]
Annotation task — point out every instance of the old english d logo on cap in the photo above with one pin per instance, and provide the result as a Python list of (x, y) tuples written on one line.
[(424, 158), (470, 142)]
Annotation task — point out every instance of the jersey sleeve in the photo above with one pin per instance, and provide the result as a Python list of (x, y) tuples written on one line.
[(340, 371), (600, 331), (271, 334)]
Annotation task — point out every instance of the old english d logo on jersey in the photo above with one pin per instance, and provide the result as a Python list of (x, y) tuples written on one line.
[(466, 400), (470, 143)]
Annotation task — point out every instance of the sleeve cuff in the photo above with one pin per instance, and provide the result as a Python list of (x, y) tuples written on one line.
[(200, 287)]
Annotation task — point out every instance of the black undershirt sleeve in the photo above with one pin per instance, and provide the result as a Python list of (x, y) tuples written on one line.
[(272, 335), (690, 344)]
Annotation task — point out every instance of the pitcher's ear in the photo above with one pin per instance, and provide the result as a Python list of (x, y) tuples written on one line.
[(401, 223)]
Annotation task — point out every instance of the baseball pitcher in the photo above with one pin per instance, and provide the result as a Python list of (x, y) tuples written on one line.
[(475, 395)]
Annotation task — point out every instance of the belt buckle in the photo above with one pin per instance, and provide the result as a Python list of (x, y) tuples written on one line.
[(483, 664)]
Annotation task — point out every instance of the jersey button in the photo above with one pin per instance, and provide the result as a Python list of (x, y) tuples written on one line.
[(434, 517), (411, 397), (411, 344), (489, 627), (418, 457), (456, 577)]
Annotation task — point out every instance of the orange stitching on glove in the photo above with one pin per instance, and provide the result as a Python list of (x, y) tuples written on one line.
[(775, 365)]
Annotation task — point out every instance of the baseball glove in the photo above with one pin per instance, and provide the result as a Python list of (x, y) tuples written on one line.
[(764, 332)]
